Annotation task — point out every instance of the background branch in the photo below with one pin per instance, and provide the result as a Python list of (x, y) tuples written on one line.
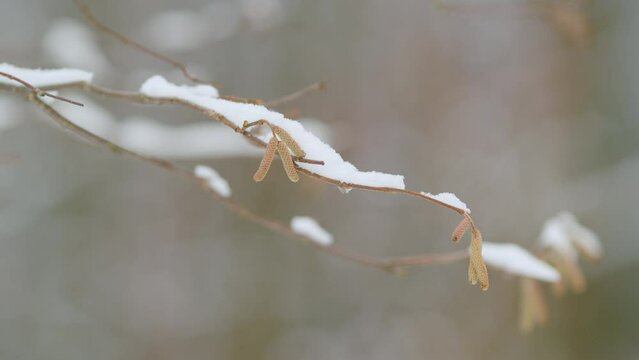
[(97, 24)]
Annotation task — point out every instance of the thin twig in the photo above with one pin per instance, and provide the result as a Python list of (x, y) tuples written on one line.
[(38, 91), (318, 86), (100, 26), (388, 264)]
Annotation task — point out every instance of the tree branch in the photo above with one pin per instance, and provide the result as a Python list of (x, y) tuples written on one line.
[(388, 264)]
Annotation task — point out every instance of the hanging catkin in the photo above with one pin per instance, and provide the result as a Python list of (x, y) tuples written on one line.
[(290, 142), (287, 161), (261, 172), (460, 229), (477, 271)]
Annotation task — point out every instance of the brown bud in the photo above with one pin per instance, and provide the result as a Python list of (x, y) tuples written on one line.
[(261, 172), (287, 161)]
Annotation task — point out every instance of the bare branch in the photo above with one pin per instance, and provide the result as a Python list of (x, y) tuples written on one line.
[(100, 26)]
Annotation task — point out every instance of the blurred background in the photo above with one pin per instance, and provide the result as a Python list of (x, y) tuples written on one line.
[(521, 108)]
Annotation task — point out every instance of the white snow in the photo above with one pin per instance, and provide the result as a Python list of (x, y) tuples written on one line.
[(157, 86), (43, 77), (564, 234), (334, 166), (448, 198), (516, 260), (582, 237), (308, 227), (215, 181), (68, 42)]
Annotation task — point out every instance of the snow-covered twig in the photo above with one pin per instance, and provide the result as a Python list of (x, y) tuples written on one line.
[(214, 180), (34, 89)]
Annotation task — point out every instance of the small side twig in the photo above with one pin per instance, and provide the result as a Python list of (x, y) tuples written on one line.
[(37, 91), (318, 86)]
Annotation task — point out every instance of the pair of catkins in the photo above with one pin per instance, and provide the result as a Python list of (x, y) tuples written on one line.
[(284, 144), (477, 272)]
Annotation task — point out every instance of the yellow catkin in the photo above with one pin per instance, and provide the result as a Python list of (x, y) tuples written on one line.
[(261, 172), (472, 274), (588, 254), (460, 229), (526, 317), (476, 259), (571, 22), (287, 161), (554, 259), (290, 142), (575, 276), (559, 288), (533, 309), (539, 303), (571, 274)]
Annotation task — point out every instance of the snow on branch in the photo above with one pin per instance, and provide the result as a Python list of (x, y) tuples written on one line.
[(215, 181), (563, 238), (516, 260), (307, 226), (238, 113), (565, 235), (44, 77), (448, 198)]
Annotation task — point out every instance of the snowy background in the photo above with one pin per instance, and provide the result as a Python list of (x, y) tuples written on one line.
[(102, 257)]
